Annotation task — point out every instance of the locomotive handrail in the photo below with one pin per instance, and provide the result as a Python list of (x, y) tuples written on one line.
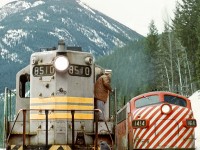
[(7, 111), (13, 126), (46, 114), (115, 112)]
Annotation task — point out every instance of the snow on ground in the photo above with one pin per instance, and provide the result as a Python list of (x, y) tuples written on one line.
[(195, 100)]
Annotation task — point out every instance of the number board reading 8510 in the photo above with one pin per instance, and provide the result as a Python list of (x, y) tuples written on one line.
[(43, 70), (80, 70), (73, 70)]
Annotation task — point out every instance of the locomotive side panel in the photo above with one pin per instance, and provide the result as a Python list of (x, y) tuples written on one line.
[(22, 91), (122, 128)]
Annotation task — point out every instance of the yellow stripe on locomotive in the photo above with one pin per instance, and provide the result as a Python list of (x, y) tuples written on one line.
[(62, 103)]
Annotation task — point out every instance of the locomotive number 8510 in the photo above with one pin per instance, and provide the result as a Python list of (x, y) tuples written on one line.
[(55, 107)]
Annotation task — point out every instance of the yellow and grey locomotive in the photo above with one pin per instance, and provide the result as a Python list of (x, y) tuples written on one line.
[(55, 106)]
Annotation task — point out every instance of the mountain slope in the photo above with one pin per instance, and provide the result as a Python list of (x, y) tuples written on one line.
[(27, 26)]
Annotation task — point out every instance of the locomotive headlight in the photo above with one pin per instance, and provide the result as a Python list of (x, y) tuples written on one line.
[(61, 63), (166, 108)]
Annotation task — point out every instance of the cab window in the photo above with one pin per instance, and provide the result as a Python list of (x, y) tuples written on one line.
[(24, 86), (147, 100), (175, 100), (121, 116)]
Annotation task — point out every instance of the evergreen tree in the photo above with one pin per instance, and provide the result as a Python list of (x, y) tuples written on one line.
[(167, 76), (176, 75), (152, 47), (129, 70), (185, 26), (198, 50)]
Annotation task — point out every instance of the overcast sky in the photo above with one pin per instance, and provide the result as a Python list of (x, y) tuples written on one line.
[(135, 14)]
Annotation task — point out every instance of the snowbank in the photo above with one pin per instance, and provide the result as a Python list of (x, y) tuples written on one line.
[(195, 100)]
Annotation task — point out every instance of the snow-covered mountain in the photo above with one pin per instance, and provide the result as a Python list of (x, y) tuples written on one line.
[(28, 25)]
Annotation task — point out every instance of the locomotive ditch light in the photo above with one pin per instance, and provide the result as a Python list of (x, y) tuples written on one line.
[(61, 63), (166, 108)]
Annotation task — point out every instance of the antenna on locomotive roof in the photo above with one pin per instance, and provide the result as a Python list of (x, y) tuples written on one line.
[(61, 46)]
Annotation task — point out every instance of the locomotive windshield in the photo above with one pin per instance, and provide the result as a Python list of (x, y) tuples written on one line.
[(147, 100), (175, 100)]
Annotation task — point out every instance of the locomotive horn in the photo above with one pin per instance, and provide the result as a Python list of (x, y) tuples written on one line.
[(61, 46)]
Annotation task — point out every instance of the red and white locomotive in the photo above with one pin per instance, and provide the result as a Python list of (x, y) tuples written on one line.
[(156, 120)]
